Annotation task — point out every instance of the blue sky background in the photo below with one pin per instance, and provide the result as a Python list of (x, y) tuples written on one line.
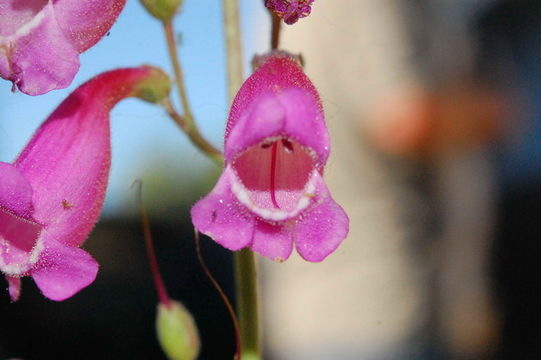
[(142, 135)]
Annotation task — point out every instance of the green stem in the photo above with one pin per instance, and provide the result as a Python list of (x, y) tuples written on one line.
[(195, 136), (245, 265), (247, 304), (235, 75), (186, 121)]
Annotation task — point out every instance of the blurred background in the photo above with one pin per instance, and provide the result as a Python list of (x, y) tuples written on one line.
[(435, 117)]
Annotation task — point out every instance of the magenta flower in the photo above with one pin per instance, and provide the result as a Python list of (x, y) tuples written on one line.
[(271, 194), (290, 10), (40, 40), (51, 196)]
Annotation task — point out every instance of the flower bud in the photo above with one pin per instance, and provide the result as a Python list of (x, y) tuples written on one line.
[(163, 10), (155, 88), (177, 332)]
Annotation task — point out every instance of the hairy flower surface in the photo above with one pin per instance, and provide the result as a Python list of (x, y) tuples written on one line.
[(40, 40), (271, 194), (290, 10), (51, 196)]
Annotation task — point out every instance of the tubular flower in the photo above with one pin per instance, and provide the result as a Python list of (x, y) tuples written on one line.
[(40, 40), (271, 194), (290, 10), (51, 196)]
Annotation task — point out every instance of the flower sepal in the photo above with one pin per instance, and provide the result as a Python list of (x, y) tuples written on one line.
[(163, 10)]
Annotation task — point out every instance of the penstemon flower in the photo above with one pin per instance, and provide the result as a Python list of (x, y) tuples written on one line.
[(40, 40), (271, 193), (290, 10), (51, 196)]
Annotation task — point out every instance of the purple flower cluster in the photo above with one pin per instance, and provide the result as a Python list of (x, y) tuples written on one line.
[(290, 10)]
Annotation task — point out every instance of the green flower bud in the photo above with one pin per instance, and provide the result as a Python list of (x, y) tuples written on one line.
[(155, 88), (163, 10), (177, 332)]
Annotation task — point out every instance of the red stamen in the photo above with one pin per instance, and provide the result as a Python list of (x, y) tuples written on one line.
[(273, 174)]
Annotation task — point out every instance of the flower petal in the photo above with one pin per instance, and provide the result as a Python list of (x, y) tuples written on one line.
[(274, 241), (264, 118), (220, 216), (284, 196), (4, 64), (67, 161), (62, 271), (18, 231), (40, 58), (15, 191), (15, 14), (321, 228), (305, 122), (40, 40), (14, 287), (85, 22), (277, 99), (18, 240)]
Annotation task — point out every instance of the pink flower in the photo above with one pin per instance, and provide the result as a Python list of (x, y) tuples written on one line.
[(290, 10), (271, 194), (51, 196), (40, 40)]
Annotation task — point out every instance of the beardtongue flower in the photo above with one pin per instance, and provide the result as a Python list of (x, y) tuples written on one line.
[(271, 193), (290, 10), (51, 196), (40, 40)]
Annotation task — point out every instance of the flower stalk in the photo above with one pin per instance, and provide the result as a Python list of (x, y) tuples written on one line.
[(175, 326), (222, 294), (233, 47), (275, 30), (247, 303), (186, 122), (152, 260), (195, 136), (244, 260)]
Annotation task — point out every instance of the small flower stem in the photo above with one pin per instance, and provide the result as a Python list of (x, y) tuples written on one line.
[(186, 121), (152, 260), (179, 77), (247, 303), (244, 262), (275, 32), (233, 47), (222, 294), (195, 136)]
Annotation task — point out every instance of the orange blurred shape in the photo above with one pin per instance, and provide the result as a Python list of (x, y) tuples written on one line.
[(415, 122)]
